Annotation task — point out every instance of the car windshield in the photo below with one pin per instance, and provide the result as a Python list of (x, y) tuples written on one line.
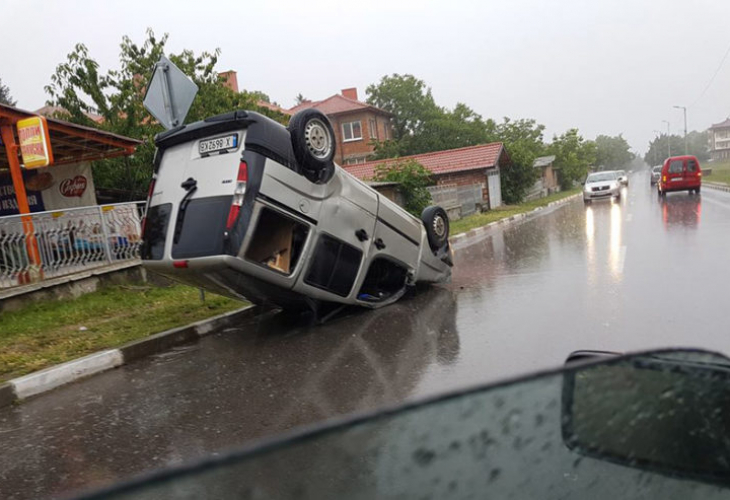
[(602, 177), (657, 170), (492, 441)]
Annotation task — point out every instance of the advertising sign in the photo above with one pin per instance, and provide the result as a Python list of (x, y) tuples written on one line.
[(35, 143)]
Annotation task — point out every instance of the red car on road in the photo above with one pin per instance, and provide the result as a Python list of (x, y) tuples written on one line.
[(680, 173)]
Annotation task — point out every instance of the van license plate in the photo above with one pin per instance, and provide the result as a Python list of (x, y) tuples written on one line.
[(217, 144)]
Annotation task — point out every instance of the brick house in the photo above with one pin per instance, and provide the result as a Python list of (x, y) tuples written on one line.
[(720, 140), (356, 124), (456, 167)]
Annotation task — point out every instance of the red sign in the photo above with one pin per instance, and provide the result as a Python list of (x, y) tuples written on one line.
[(73, 187)]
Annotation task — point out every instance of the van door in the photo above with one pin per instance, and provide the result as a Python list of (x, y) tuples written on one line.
[(692, 173), (198, 212)]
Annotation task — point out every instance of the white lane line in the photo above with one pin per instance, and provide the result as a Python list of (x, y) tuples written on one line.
[(622, 259)]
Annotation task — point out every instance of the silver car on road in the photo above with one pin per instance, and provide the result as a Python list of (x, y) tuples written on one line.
[(600, 185)]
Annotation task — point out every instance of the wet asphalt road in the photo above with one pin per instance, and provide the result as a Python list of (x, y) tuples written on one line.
[(621, 276)]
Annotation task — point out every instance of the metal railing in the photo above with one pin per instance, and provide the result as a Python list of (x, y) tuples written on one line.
[(47, 245)]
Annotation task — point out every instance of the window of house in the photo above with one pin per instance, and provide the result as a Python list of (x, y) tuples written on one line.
[(373, 129), (352, 131), (385, 130), (354, 161)]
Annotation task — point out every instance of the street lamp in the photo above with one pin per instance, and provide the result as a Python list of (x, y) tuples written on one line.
[(684, 108), (669, 140), (659, 134)]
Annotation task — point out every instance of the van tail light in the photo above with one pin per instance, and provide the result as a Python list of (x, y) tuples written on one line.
[(664, 178), (150, 190), (238, 194), (699, 173)]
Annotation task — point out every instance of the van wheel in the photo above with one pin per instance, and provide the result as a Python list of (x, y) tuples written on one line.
[(313, 142), (697, 190), (436, 222)]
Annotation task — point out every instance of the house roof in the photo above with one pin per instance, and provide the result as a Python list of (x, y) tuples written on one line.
[(724, 124), (544, 161), (72, 143), (337, 104), (440, 162), (273, 107), (57, 111)]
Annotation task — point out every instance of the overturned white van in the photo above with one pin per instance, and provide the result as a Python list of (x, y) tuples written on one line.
[(247, 208)]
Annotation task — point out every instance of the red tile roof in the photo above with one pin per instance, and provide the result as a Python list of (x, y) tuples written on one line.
[(336, 104), (440, 162), (273, 107)]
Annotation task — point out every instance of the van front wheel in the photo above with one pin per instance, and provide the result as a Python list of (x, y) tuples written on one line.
[(436, 222)]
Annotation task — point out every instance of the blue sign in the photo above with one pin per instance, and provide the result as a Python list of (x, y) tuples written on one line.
[(8, 202)]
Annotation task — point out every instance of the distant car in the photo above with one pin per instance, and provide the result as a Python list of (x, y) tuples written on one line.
[(248, 208), (601, 185), (623, 177), (680, 173), (656, 173)]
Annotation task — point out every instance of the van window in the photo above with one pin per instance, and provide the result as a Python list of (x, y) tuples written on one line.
[(692, 166), (200, 228), (676, 166), (155, 231)]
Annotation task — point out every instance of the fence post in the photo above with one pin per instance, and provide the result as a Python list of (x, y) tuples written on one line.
[(105, 231)]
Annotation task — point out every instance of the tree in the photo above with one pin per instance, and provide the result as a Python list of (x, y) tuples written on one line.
[(260, 96), (612, 153), (413, 178), (5, 97), (408, 99), (300, 99), (573, 156), (658, 148), (523, 140), (81, 89)]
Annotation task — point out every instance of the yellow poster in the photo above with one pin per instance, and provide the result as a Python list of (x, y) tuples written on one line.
[(35, 143)]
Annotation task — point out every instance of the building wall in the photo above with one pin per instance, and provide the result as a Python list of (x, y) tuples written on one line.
[(358, 150), (720, 143), (465, 179), (549, 177)]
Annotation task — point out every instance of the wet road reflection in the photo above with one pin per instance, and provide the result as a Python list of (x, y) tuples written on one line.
[(604, 276)]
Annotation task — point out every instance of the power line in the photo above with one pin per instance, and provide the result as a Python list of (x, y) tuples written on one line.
[(724, 58)]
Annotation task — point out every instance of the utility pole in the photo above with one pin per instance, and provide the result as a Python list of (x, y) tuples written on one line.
[(684, 108), (669, 140)]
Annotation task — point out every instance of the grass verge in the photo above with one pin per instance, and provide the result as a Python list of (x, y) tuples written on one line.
[(720, 172), (482, 219), (47, 333)]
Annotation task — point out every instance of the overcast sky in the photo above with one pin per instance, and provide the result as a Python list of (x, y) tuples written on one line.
[(604, 66)]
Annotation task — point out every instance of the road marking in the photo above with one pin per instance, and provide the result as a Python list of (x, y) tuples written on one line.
[(622, 259)]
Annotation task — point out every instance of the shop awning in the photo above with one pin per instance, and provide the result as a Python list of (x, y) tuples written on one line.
[(71, 143)]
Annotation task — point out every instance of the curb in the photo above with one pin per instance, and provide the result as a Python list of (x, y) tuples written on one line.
[(50, 378), (508, 220), (719, 187)]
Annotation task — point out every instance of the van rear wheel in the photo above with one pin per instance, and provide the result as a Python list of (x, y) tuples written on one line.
[(313, 142)]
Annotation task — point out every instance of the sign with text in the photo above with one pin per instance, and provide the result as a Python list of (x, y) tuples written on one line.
[(8, 201), (35, 142)]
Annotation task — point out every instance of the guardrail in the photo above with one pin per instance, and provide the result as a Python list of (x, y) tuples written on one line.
[(47, 245)]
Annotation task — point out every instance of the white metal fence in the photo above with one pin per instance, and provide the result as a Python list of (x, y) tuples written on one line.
[(51, 244)]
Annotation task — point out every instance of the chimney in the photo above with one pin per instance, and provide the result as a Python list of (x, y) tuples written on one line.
[(230, 80), (350, 93)]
